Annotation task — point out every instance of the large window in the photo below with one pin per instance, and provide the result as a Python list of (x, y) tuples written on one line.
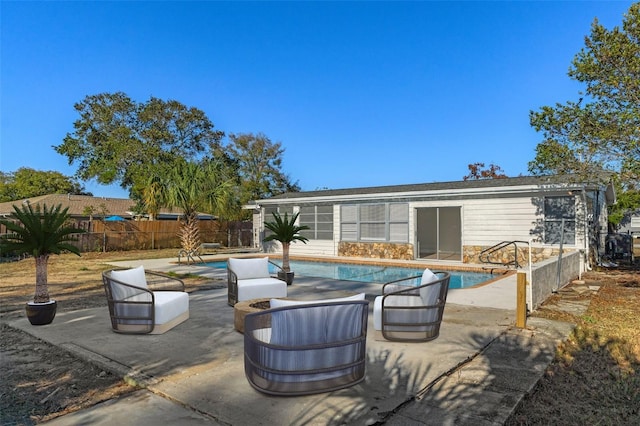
[(268, 215), (319, 219), (560, 220), (375, 222)]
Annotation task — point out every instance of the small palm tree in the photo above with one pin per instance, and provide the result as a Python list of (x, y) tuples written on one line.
[(39, 233), (286, 231)]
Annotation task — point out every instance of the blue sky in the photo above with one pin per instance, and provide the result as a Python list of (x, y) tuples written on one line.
[(358, 93)]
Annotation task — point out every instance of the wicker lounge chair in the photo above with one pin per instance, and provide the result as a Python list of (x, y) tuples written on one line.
[(409, 312), (250, 279), (143, 302), (301, 348)]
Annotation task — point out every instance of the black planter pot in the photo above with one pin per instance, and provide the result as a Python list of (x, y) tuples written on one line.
[(41, 313), (286, 276)]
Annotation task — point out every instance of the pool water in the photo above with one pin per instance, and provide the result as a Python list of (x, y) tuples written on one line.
[(369, 273)]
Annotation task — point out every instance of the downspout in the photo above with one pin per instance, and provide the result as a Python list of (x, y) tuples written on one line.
[(587, 266)]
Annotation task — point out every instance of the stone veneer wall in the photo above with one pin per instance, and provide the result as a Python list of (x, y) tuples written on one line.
[(471, 254), (376, 250)]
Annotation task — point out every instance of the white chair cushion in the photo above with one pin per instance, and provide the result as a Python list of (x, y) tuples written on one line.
[(133, 276), (259, 288), (246, 269), (169, 305), (430, 293)]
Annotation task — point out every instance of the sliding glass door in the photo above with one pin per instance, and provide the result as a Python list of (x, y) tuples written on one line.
[(439, 233)]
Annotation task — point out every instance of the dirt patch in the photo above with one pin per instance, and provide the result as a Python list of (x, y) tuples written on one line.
[(41, 381), (595, 376)]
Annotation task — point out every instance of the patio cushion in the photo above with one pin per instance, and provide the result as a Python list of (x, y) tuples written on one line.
[(315, 325), (250, 268), (258, 288), (429, 294), (133, 276), (167, 306)]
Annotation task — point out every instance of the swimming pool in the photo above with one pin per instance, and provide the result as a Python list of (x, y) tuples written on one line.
[(369, 273)]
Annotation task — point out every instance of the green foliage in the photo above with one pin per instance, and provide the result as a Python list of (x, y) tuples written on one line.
[(627, 201), (39, 233), (119, 140), (601, 131), (259, 164), (192, 187), (286, 232), (284, 229), (27, 183)]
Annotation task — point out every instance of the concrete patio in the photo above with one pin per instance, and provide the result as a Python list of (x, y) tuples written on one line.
[(474, 373)]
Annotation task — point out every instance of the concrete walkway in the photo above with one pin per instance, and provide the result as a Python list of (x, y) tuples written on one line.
[(474, 373)]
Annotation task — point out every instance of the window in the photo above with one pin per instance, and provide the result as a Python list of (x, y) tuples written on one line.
[(559, 211), (372, 222), (349, 223), (268, 215), (375, 222), (319, 219), (398, 222)]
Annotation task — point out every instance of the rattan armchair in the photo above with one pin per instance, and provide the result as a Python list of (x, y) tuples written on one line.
[(409, 312), (144, 302), (250, 279), (300, 348)]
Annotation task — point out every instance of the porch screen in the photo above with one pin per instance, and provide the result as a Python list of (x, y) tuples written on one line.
[(559, 211)]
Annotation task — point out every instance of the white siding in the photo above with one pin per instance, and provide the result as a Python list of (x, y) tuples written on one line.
[(492, 220)]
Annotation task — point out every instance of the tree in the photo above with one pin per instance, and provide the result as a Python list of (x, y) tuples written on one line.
[(601, 131), (117, 140), (477, 171), (259, 166), (27, 182), (193, 187), (39, 233)]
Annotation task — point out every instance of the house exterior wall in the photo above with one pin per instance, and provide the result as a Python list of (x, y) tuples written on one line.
[(485, 222), (488, 217)]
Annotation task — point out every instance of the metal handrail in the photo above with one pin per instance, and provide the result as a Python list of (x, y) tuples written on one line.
[(484, 254)]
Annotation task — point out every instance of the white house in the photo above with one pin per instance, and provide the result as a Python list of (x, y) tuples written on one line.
[(448, 221)]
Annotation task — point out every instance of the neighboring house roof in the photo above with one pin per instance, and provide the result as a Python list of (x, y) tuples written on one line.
[(77, 204), (478, 186)]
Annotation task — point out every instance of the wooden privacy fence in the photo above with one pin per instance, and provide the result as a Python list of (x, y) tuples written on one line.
[(154, 235)]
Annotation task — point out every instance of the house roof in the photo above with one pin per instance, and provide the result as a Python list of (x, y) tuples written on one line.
[(77, 204), (478, 186)]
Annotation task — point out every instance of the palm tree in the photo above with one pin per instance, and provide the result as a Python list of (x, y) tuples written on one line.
[(193, 188), (286, 231), (39, 233)]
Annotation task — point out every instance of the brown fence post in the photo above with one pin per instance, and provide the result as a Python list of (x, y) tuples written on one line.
[(521, 302)]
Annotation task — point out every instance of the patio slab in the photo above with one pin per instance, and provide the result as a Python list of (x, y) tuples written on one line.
[(477, 369)]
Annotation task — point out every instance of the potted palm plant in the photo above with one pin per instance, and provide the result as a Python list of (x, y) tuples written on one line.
[(39, 233), (286, 232)]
